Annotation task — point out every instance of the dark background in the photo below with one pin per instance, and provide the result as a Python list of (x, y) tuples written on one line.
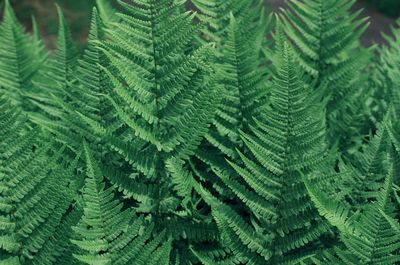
[(382, 14)]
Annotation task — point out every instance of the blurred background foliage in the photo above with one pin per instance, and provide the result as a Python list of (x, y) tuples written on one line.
[(77, 13), (388, 7)]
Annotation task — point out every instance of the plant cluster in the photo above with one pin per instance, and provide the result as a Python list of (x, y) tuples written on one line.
[(223, 136)]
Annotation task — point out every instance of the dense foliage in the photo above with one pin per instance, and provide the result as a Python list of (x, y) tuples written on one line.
[(228, 135)]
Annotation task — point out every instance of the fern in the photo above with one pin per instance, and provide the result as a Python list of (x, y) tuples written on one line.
[(326, 36), (216, 15), (288, 139), (58, 248), (163, 97), (385, 69), (20, 58), (107, 234), (242, 82), (35, 190), (159, 123), (370, 164), (244, 91), (369, 237), (84, 97), (244, 98), (223, 136), (106, 10), (56, 78)]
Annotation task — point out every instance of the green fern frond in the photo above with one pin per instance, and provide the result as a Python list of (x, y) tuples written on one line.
[(107, 11), (35, 189), (244, 97), (64, 60), (370, 165), (216, 15), (244, 91), (56, 78), (288, 138), (393, 131), (385, 70), (58, 249), (85, 95), (107, 234), (20, 58), (238, 237), (326, 36), (369, 237), (164, 97)]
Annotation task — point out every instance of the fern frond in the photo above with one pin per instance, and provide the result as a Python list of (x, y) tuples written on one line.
[(244, 98), (287, 139), (216, 15), (370, 165), (326, 36), (384, 72), (244, 92), (369, 237), (107, 233), (21, 56), (58, 249), (107, 11), (163, 97), (85, 95), (35, 190), (56, 78)]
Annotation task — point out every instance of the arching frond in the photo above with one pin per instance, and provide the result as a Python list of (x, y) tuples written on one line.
[(20, 58), (370, 165), (109, 234), (288, 139), (107, 11), (244, 97), (326, 37), (324, 33), (370, 236), (163, 96), (35, 192), (56, 78), (244, 90), (215, 14), (86, 96)]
